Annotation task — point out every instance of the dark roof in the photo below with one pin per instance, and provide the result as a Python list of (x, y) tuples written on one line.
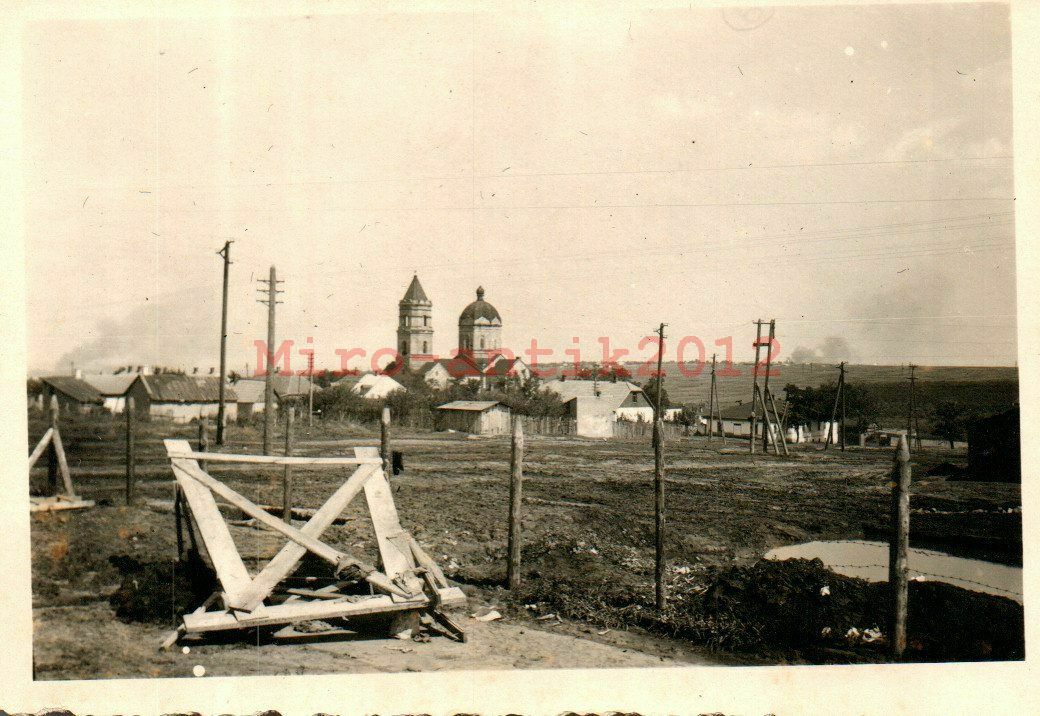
[(170, 388), (79, 390), (479, 309), (470, 405), (503, 366), (109, 385), (285, 386), (740, 411), (415, 293), (460, 366)]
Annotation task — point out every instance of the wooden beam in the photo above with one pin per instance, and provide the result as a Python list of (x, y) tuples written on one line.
[(40, 447), (223, 553), (291, 554), (302, 611), (63, 464), (189, 454)]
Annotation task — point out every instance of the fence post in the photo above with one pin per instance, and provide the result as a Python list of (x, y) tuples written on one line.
[(131, 449), (516, 478), (52, 451), (384, 441), (899, 543), (287, 476), (203, 441), (659, 511)]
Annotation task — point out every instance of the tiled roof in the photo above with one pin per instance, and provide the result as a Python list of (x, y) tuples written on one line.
[(170, 388), (78, 390)]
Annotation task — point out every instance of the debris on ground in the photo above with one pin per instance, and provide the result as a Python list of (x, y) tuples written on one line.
[(160, 592)]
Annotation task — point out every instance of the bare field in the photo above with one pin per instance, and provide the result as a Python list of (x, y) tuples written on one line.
[(588, 498)]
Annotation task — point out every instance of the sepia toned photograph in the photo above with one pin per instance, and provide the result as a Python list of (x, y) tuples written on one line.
[(491, 338)]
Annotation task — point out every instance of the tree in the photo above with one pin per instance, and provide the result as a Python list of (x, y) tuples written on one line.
[(650, 388), (948, 421)]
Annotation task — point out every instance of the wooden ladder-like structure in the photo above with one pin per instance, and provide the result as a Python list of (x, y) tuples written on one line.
[(410, 584), (67, 500)]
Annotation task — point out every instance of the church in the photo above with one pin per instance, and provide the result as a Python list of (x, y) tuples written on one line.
[(480, 329)]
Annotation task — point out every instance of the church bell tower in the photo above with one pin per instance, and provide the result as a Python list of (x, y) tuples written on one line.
[(415, 325)]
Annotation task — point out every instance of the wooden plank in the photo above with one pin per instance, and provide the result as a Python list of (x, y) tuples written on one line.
[(190, 469), (40, 447), (63, 464), (290, 555), (189, 454), (55, 504), (301, 611), (425, 561), (386, 523), (223, 553), (297, 611)]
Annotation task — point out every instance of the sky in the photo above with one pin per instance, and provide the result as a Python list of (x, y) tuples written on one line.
[(844, 170)]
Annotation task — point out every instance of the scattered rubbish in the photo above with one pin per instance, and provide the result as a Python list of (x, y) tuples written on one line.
[(872, 635), (825, 591), (546, 617), (601, 633), (489, 617)]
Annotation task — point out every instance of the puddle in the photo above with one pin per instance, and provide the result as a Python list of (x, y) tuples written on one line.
[(869, 560)]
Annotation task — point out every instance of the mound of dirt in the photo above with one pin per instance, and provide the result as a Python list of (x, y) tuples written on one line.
[(160, 592), (794, 609)]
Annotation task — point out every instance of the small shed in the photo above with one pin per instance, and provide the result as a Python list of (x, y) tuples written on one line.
[(995, 448), (74, 394), (479, 417)]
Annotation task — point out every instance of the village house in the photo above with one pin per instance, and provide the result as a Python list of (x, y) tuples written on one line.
[(477, 417), (502, 370), (371, 386), (181, 398), (112, 388), (286, 388), (595, 405), (735, 420), (74, 395)]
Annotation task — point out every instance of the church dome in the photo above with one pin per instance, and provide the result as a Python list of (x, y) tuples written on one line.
[(479, 309)]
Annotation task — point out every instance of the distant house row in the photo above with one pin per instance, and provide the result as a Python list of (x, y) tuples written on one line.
[(180, 398)]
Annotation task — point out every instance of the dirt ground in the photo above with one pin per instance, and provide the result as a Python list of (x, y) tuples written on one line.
[(590, 498)]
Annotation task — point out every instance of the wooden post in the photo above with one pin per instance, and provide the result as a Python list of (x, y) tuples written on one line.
[(516, 479), (384, 441), (659, 512), (287, 476), (52, 453), (899, 543), (131, 450), (203, 440), (221, 414), (271, 301)]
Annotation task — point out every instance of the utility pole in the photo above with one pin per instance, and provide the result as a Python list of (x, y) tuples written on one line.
[(711, 402), (226, 254), (271, 301), (839, 401), (841, 382), (754, 384), (659, 478), (912, 424)]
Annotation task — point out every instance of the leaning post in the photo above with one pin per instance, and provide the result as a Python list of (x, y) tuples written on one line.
[(898, 545), (516, 479), (131, 449)]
